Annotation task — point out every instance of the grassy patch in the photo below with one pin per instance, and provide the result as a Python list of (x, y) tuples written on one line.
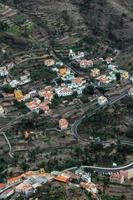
[(13, 30)]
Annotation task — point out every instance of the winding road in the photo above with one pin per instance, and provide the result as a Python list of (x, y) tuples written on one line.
[(74, 129), (113, 100), (107, 169), (103, 169), (12, 122)]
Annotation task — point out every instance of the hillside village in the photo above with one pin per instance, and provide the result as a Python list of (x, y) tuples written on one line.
[(47, 90), (64, 80), (28, 184), (66, 83)]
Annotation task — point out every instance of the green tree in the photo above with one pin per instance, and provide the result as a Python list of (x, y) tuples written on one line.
[(55, 102), (118, 76), (24, 165), (78, 150), (7, 88), (88, 90)]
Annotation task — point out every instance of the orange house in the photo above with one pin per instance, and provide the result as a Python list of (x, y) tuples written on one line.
[(117, 178), (62, 179), (63, 124), (29, 173), (14, 179), (2, 185), (44, 106)]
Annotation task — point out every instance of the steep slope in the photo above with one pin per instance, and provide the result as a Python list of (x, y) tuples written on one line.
[(111, 20), (57, 17)]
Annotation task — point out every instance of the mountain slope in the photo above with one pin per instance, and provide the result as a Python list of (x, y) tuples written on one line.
[(113, 19)]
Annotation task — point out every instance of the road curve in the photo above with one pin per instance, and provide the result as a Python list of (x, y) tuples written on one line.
[(9, 145), (12, 122), (108, 169), (74, 126), (74, 129), (103, 169)]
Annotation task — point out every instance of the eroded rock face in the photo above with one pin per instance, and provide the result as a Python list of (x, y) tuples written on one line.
[(110, 19)]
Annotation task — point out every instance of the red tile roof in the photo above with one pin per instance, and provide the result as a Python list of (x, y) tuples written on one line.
[(44, 106), (62, 179), (2, 185), (32, 105), (14, 179)]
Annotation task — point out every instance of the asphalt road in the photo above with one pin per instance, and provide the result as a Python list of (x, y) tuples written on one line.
[(103, 169), (107, 169), (74, 129), (111, 101)]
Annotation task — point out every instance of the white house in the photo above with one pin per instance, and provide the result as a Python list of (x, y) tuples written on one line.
[(63, 91), (79, 56), (55, 69), (10, 65), (14, 83), (86, 178), (131, 79), (24, 79), (102, 100), (60, 64), (86, 63), (3, 71), (109, 60), (130, 92), (71, 53), (1, 111), (80, 89), (112, 67), (33, 92)]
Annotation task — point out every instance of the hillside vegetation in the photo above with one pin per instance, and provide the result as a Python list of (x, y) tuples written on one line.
[(94, 22)]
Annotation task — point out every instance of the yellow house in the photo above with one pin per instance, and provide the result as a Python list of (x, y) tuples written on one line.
[(63, 71), (124, 74), (95, 72), (18, 95)]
